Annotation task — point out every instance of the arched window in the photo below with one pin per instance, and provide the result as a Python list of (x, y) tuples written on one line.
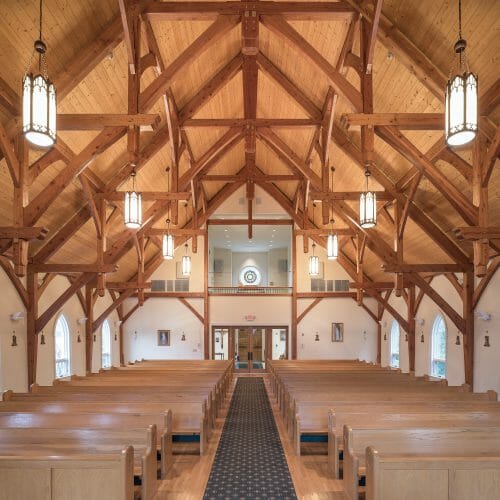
[(106, 344), (438, 348), (394, 359), (62, 348)]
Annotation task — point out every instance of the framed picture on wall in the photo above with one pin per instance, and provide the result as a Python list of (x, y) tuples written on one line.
[(164, 337), (337, 332)]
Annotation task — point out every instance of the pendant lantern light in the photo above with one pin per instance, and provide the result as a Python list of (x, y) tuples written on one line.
[(168, 244), (332, 244), (313, 263), (168, 239), (39, 99), (133, 205), (461, 96), (367, 205), (186, 263)]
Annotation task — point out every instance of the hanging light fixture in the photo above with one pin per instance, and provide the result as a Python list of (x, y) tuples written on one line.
[(461, 96), (186, 263), (332, 244), (133, 205), (367, 205), (39, 99), (313, 263), (457, 341), (168, 243)]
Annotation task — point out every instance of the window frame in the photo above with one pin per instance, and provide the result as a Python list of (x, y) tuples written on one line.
[(391, 343), (438, 319), (61, 319), (109, 354)]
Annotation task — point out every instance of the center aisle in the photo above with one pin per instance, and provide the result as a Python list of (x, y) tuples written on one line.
[(250, 462)]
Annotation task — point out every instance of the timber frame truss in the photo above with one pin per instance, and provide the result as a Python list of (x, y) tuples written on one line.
[(368, 23)]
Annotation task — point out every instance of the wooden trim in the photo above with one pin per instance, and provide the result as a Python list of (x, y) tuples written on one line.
[(191, 308), (483, 284), (309, 308), (44, 318), (89, 121), (14, 279), (245, 222), (337, 295)]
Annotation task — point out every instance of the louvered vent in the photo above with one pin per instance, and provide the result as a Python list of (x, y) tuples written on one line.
[(157, 285), (182, 285), (317, 285), (341, 285)]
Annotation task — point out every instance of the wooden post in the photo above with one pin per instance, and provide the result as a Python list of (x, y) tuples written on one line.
[(294, 297), (379, 342), (120, 336), (398, 248), (206, 318), (480, 200), (32, 316), (411, 328), (468, 334), (21, 199), (89, 344)]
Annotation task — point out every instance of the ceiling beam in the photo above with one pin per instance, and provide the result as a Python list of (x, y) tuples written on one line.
[(82, 121), (254, 122), (294, 11), (342, 86), (212, 34), (424, 268)]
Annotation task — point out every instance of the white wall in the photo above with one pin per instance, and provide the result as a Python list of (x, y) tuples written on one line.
[(13, 360), (140, 331), (487, 359)]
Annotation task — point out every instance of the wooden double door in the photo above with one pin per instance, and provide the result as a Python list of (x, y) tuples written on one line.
[(249, 346)]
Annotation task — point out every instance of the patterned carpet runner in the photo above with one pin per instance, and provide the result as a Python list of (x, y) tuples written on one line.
[(250, 463)]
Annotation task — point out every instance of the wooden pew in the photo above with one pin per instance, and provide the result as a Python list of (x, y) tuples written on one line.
[(372, 420), (457, 442), (80, 476), (114, 421), (188, 418), (392, 477), (68, 442)]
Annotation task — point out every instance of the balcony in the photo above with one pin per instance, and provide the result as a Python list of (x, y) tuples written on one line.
[(250, 290)]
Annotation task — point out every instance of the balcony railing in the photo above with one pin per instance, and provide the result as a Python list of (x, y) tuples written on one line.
[(250, 290)]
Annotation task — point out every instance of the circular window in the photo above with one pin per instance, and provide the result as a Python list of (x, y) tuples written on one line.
[(250, 275)]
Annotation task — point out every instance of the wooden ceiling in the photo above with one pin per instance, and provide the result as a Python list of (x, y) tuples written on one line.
[(297, 73)]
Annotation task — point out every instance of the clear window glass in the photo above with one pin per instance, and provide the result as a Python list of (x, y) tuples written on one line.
[(394, 358), (62, 348), (106, 344), (438, 348)]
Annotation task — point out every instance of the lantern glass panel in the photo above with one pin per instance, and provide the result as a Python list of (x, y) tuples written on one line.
[(332, 247), (368, 210), (133, 210), (186, 265), (168, 247), (314, 265)]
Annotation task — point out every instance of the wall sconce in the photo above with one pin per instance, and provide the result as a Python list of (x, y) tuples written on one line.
[(81, 321), (42, 339), (135, 335), (406, 337), (422, 339), (116, 338), (78, 338), (385, 335), (17, 316), (487, 340), (457, 341), (95, 337), (14, 339), (316, 338), (183, 337)]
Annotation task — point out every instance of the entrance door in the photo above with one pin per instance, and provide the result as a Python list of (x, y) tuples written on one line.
[(250, 347)]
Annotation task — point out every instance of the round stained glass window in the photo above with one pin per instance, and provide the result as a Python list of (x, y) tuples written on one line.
[(250, 275)]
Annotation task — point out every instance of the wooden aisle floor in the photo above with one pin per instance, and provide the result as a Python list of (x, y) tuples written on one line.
[(189, 473)]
